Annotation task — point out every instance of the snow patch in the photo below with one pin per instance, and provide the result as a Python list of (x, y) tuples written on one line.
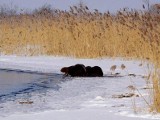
[(48, 95)]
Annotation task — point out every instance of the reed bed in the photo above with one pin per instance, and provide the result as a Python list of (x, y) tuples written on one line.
[(82, 33)]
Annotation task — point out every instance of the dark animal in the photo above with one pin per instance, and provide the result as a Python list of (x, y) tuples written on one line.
[(95, 71), (79, 70), (89, 71), (76, 70)]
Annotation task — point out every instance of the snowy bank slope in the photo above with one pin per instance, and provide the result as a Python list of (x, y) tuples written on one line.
[(50, 96)]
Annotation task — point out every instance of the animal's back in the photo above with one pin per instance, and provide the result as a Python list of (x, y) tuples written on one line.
[(97, 71)]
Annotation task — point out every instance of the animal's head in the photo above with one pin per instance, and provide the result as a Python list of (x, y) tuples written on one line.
[(64, 70)]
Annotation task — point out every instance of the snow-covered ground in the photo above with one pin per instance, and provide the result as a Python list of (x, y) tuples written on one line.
[(34, 88)]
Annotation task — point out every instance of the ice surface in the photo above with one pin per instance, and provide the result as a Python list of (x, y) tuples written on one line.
[(34, 88)]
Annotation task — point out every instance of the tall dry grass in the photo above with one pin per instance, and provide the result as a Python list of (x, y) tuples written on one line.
[(82, 33)]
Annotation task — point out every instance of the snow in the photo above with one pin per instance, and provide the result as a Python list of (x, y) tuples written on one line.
[(34, 88)]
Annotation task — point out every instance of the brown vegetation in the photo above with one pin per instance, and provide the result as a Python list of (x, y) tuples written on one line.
[(81, 33)]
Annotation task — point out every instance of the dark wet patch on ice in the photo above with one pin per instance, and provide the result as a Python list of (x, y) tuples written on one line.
[(27, 82), (126, 95), (30, 72)]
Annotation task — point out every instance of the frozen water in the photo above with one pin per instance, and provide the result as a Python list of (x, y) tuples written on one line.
[(34, 87)]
